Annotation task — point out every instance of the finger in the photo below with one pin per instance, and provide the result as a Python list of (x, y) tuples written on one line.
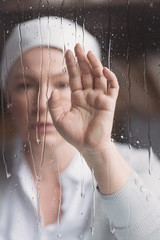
[(113, 86), (85, 68), (55, 107), (97, 68), (100, 101), (73, 71)]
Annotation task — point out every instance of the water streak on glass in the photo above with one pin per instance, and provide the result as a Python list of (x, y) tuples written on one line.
[(148, 113), (39, 88), (64, 45), (76, 14), (3, 135), (3, 122), (109, 35), (38, 207), (146, 89), (82, 179), (38, 178), (83, 25), (60, 202), (46, 112), (26, 98), (128, 75), (93, 204), (129, 94)]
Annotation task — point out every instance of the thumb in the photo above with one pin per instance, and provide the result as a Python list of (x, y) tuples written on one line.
[(55, 106)]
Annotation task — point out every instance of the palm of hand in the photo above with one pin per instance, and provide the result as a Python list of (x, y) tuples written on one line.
[(88, 123)]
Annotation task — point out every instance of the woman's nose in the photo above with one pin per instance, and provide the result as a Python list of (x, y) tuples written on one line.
[(43, 96)]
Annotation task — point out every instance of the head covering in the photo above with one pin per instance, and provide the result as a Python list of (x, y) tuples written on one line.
[(46, 31)]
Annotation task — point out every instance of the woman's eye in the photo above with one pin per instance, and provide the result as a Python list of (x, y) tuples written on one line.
[(63, 85), (24, 86)]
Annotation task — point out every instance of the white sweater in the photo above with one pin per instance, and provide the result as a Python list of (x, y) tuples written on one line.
[(133, 213)]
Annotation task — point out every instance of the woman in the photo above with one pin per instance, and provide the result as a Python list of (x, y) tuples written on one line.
[(63, 110)]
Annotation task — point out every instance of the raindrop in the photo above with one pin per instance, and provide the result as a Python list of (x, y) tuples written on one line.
[(9, 105), (112, 228), (15, 156), (82, 194), (59, 235), (148, 197), (38, 140), (64, 70), (27, 68), (151, 4), (142, 188), (52, 160), (8, 175), (92, 230), (81, 236)]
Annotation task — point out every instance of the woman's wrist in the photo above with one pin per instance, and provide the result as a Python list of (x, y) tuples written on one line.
[(110, 169)]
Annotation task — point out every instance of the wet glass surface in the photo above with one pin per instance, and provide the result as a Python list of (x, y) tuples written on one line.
[(128, 34)]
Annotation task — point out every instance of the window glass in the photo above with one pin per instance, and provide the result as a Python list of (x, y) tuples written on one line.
[(47, 195)]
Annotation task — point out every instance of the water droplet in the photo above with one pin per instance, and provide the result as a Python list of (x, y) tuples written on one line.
[(27, 68), (15, 156), (92, 230), (9, 105), (30, 7), (52, 160), (83, 195), (136, 181), (64, 70), (81, 236), (142, 189), (151, 4), (148, 197), (38, 140), (59, 235), (112, 228), (8, 175)]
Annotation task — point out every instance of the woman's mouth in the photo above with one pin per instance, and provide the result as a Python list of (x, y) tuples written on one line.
[(43, 127)]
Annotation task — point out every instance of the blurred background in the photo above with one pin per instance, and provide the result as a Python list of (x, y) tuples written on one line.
[(128, 33)]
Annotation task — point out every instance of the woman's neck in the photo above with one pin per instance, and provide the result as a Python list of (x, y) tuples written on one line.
[(46, 162)]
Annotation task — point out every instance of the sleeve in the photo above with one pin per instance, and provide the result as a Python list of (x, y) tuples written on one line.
[(133, 213)]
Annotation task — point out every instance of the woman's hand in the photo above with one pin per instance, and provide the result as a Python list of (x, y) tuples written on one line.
[(88, 123), (94, 90)]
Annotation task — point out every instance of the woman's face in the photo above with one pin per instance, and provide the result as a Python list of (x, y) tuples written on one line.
[(31, 82)]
